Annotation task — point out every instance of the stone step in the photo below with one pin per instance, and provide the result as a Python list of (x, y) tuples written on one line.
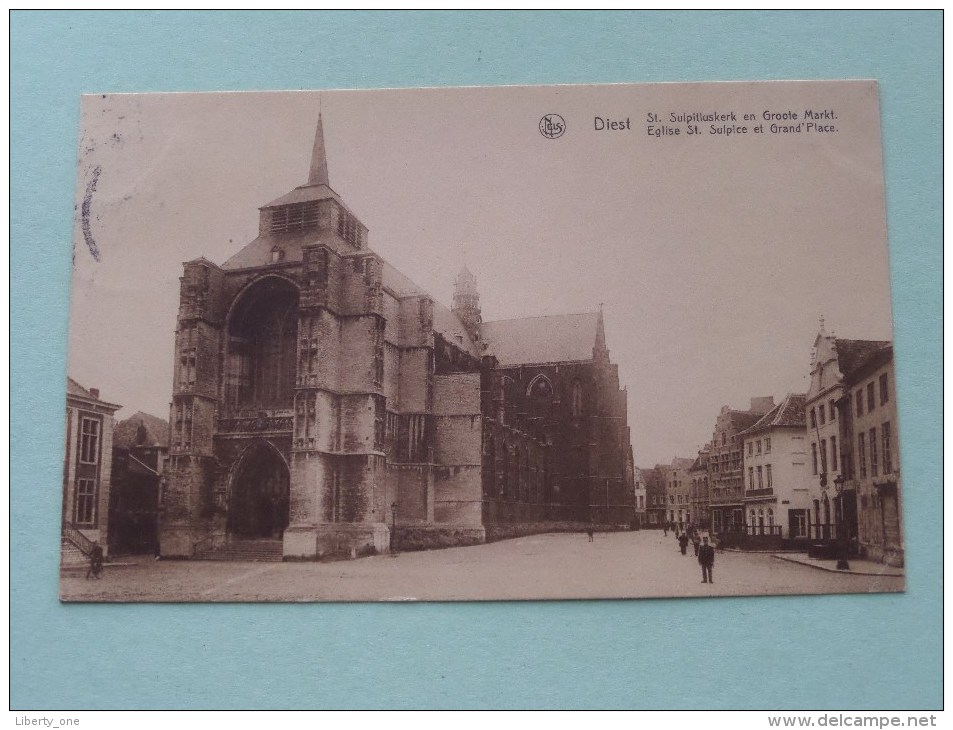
[(251, 550), (70, 555)]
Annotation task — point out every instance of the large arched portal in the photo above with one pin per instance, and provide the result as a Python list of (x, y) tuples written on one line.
[(262, 341), (259, 500)]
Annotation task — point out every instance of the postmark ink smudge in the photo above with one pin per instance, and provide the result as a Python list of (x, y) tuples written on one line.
[(87, 204)]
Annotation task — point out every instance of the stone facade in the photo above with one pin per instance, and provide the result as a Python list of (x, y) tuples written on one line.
[(323, 399), (869, 438)]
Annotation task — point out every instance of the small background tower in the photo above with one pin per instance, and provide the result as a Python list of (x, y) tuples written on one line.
[(466, 302)]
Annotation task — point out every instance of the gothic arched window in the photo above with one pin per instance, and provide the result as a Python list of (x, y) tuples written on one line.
[(262, 344)]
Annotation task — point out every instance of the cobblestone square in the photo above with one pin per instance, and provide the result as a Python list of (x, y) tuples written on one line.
[(642, 564)]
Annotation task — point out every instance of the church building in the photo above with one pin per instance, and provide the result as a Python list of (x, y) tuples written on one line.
[(324, 404)]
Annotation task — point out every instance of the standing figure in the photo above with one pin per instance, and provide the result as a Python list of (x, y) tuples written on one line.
[(696, 542), (683, 542), (665, 529), (589, 532), (95, 561), (706, 557)]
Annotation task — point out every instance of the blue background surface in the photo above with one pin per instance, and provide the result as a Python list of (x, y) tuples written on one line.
[(857, 652)]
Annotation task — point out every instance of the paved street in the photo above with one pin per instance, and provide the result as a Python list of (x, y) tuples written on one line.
[(556, 566)]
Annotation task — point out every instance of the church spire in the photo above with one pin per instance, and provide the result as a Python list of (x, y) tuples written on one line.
[(319, 159)]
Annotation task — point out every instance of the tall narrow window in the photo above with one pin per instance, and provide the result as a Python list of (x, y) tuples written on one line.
[(873, 452), (770, 480), (760, 478), (759, 446), (833, 453), (862, 453), (832, 409), (85, 502), (887, 451), (884, 396), (820, 413), (813, 418), (870, 397), (576, 399), (767, 446), (89, 441), (379, 353), (859, 402)]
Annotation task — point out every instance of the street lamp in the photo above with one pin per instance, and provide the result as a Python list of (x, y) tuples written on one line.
[(842, 540), (393, 529)]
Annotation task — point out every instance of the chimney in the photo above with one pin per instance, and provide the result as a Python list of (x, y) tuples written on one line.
[(94, 392), (762, 404)]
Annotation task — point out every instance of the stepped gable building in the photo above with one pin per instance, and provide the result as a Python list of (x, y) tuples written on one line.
[(324, 402), (725, 466)]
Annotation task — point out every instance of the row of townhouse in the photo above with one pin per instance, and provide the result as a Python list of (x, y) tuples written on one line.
[(668, 494), (818, 468)]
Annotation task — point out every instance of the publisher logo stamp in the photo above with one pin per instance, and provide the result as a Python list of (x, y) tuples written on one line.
[(552, 126)]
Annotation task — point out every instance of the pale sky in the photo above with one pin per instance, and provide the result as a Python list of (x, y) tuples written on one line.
[(713, 256)]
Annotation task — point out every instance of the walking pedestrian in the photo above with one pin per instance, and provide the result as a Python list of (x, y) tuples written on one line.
[(95, 562), (706, 558), (589, 532), (665, 529), (683, 542)]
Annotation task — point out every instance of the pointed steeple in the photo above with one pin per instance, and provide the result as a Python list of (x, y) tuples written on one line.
[(319, 159), (599, 351)]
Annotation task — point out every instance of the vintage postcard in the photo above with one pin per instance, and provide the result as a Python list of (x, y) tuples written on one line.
[(612, 341)]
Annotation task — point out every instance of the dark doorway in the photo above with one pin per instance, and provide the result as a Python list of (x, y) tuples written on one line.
[(259, 500)]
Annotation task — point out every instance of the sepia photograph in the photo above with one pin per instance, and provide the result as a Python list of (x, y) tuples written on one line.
[(483, 343)]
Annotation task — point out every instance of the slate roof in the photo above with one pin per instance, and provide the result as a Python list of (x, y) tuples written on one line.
[(305, 194), (555, 338), (851, 354), (78, 391), (74, 388), (682, 463), (449, 325), (398, 283), (745, 419), (155, 431), (790, 412), (258, 252), (445, 322)]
